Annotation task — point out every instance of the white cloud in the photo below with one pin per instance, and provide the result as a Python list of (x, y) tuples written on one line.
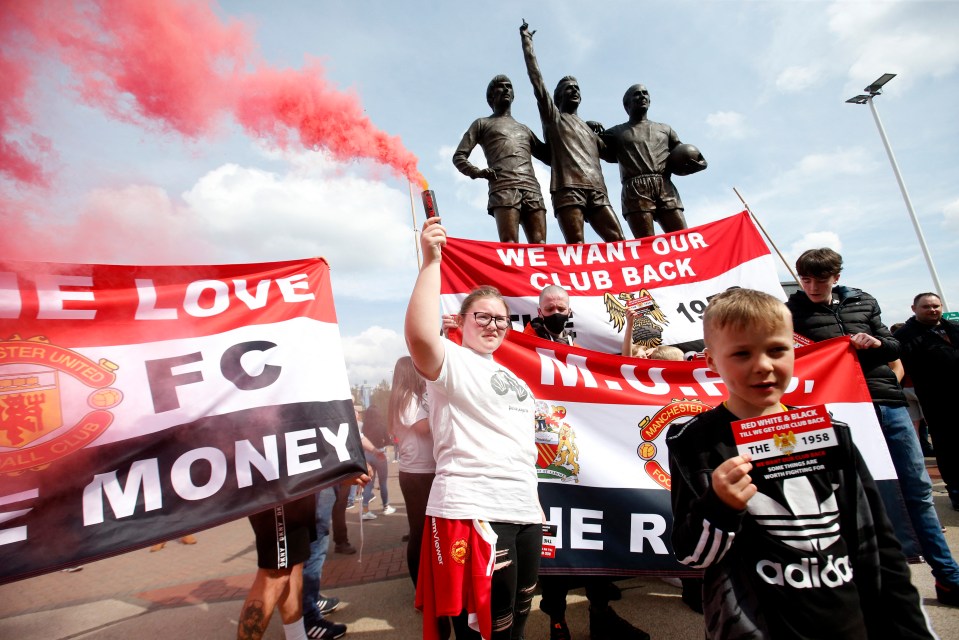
[(855, 42), (797, 78), (371, 355), (727, 125), (854, 161), (908, 38), (361, 226)]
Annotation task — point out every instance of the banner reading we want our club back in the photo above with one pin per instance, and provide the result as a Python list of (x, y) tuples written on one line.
[(603, 465), (141, 403), (679, 271)]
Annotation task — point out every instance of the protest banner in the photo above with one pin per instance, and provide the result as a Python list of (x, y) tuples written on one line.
[(142, 403), (678, 271), (601, 424)]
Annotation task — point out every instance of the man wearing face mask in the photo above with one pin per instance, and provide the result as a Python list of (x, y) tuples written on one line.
[(550, 324), (552, 315)]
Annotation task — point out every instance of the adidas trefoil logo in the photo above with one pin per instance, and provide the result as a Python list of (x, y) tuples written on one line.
[(805, 522)]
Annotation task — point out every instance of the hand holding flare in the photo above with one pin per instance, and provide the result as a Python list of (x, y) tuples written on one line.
[(432, 240)]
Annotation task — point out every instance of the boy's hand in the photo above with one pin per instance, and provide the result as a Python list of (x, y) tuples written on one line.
[(732, 483)]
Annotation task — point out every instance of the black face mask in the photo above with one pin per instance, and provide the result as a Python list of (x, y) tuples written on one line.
[(556, 322)]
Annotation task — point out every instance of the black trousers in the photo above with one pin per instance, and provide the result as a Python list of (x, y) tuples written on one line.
[(554, 589)]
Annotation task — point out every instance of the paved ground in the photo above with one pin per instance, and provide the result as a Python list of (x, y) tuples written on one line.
[(196, 591)]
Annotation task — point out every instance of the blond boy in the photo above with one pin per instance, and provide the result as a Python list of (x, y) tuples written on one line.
[(809, 556)]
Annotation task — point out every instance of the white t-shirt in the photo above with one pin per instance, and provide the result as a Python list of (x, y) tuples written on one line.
[(416, 449), (482, 418)]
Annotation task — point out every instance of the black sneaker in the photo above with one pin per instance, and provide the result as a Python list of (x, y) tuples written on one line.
[(345, 547), (607, 625), (326, 629), (327, 604), (558, 630), (947, 594)]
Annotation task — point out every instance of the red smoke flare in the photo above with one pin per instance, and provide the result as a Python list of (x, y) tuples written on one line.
[(173, 65)]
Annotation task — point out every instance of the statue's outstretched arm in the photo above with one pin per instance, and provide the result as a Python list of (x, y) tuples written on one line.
[(532, 68)]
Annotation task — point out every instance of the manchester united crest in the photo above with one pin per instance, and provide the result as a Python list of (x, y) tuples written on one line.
[(651, 428), (460, 551), (53, 401), (557, 453)]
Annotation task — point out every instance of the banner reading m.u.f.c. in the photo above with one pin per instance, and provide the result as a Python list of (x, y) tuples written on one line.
[(601, 423), (678, 271), (138, 404)]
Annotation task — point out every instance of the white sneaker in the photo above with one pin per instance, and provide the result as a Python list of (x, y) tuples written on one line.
[(368, 515), (388, 509)]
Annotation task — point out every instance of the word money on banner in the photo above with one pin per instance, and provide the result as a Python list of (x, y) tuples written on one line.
[(673, 275), (601, 423), (141, 403)]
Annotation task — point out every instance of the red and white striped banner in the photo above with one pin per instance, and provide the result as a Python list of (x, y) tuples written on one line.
[(679, 271), (139, 403)]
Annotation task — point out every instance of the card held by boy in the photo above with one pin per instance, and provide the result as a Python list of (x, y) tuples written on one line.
[(788, 444)]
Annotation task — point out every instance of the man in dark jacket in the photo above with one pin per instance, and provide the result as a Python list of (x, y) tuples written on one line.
[(822, 311), (930, 353)]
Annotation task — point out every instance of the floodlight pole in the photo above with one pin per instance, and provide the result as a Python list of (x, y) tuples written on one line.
[(874, 90)]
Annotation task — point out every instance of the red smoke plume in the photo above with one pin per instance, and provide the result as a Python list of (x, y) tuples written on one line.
[(176, 66)]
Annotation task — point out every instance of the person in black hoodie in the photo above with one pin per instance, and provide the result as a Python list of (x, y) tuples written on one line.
[(930, 353), (822, 311)]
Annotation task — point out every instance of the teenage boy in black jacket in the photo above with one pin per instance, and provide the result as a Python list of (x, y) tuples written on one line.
[(822, 311)]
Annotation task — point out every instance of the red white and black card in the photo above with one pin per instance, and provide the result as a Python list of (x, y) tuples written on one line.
[(788, 444)]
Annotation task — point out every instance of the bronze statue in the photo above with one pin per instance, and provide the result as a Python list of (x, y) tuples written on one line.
[(576, 185), (647, 152), (514, 193)]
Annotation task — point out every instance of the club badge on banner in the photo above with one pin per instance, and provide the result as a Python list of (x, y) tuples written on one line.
[(601, 423), (140, 403), (672, 275)]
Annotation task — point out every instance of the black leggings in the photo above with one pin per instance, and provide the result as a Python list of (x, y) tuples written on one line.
[(518, 550), (415, 488)]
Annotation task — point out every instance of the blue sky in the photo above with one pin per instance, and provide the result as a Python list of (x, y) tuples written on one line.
[(758, 86)]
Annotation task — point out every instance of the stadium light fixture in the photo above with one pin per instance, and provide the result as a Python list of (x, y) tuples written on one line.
[(872, 91)]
